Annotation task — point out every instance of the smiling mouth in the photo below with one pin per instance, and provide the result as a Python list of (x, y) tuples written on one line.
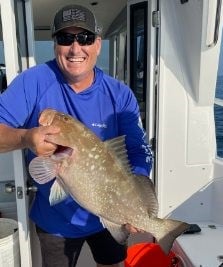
[(76, 59)]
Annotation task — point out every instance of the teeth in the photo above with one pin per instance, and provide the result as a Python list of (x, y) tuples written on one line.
[(79, 59)]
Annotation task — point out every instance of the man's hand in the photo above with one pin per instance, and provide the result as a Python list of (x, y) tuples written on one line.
[(133, 230), (35, 139)]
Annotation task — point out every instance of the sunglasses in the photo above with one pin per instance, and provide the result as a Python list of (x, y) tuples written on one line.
[(83, 38)]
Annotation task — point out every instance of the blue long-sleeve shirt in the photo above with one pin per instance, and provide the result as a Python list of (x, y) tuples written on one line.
[(108, 108)]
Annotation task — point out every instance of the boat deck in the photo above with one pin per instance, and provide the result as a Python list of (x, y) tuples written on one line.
[(203, 249)]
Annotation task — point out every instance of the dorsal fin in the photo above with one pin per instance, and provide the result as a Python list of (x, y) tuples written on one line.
[(117, 146)]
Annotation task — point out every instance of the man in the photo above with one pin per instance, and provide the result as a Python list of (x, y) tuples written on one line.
[(71, 83)]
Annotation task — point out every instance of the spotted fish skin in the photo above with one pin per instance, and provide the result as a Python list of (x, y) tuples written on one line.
[(98, 176)]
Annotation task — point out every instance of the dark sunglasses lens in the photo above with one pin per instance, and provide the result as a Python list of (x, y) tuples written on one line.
[(67, 39), (85, 38)]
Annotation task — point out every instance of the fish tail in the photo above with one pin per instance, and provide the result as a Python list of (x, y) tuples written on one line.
[(168, 231)]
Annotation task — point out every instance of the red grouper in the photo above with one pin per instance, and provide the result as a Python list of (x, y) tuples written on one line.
[(98, 176)]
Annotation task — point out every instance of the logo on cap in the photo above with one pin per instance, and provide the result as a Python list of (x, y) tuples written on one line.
[(74, 14)]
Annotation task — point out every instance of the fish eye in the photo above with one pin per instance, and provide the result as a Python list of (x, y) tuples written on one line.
[(65, 118)]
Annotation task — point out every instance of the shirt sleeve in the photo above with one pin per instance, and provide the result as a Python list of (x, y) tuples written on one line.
[(130, 125), (16, 101)]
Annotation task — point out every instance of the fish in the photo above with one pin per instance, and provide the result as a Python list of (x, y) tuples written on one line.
[(98, 176)]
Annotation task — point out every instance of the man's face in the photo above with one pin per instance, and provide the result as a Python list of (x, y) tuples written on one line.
[(77, 61)]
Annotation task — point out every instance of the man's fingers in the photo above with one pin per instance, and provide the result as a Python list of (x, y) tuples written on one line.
[(49, 133), (50, 129), (133, 229)]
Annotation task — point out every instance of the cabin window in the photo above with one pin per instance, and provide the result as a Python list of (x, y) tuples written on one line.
[(138, 54), (103, 58), (218, 107), (121, 59), (44, 51)]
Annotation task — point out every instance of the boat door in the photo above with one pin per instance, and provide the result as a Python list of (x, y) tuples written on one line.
[(190, 34), (143, 61), (18, 55), (173, 50)]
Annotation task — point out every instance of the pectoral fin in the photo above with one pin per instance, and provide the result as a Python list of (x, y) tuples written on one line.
[(42, 169)]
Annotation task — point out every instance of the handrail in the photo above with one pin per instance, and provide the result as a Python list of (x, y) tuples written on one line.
[(217, 23)]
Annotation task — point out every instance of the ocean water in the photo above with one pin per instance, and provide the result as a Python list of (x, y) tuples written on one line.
[(218, 111)]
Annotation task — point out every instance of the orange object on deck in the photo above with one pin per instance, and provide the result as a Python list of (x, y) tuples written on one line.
[(149, 255)]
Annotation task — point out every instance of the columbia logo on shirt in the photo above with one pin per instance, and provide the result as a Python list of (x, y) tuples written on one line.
[(99, 125)]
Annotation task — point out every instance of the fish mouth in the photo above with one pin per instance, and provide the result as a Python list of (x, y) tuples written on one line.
[(61, 148), (61, 145), (62, 152)]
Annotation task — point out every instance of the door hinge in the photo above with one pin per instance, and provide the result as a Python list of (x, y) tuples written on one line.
[(156, 19)]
